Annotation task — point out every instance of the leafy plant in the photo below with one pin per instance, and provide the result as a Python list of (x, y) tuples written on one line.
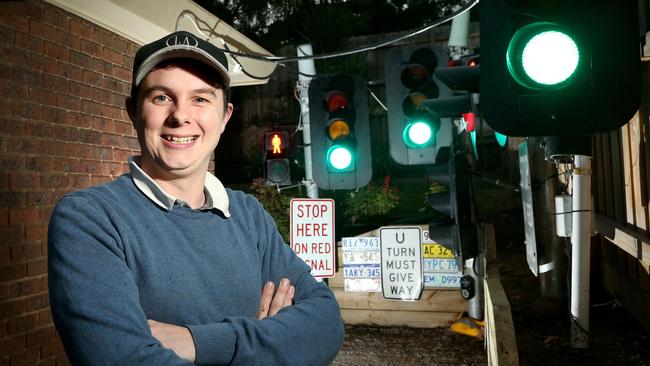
[(371, 201), (276, 204)]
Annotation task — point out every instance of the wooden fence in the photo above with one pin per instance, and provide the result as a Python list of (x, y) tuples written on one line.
[(621, 172)]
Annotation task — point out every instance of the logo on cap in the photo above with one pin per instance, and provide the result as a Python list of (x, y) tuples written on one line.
[(185, 40)]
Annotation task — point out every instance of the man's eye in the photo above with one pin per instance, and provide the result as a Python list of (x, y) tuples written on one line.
[(160, 98), (201, 100)]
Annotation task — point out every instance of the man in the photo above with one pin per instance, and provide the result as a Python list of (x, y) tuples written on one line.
[(164, 266)]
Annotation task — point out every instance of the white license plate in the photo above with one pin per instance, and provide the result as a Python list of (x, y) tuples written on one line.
[(361, 270), (362, 285), (440, 265), (360, 243), (366, 257), (446, 280)]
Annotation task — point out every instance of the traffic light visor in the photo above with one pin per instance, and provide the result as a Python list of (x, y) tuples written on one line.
[(542, 56)]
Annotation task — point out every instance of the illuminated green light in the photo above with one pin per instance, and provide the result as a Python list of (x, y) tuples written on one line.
[(550, 57), (339, 157), (542, 56), (418, 134)]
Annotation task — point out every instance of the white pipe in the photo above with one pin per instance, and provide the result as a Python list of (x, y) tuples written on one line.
[(580, 252), (459, 36), (459, 32), (306, 67)]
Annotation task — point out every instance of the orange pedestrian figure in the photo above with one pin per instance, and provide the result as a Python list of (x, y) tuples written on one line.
[(276, 142)]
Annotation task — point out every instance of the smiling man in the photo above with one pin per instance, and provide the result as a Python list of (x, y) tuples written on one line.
[(164, 266)]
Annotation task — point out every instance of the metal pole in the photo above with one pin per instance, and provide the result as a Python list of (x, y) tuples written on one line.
[(306, 67), (476, 305), (580, 252), (552, 273)]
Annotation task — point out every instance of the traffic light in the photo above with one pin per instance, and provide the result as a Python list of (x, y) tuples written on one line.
[(455, 228), (340, 132), (553, 68), (417, 133), (278, 168)]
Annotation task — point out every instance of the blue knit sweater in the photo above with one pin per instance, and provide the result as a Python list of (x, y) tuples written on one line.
[(117, 259)]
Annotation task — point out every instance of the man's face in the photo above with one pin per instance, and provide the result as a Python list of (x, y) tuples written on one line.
[(179, 117)]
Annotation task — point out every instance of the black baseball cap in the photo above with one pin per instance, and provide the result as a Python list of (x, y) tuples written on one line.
[(179, 45)]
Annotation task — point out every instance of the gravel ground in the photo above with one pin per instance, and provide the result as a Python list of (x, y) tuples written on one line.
[(409, 346)]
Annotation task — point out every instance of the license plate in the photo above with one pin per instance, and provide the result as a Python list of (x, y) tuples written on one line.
[(362, 270), (446, 280), (360, 243), (436, 251), (362, 285), (440, 265), (366, 257)]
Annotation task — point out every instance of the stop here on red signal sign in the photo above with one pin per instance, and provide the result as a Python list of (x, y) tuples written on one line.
[(312, 234)]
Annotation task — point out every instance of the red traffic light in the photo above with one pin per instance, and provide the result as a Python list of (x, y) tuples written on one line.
[(336, 101), (414, 76)]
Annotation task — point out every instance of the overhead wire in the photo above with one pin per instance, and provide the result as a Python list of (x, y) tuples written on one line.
[(281, 60)]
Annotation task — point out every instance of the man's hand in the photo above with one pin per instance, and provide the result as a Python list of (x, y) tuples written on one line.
[(272, 301), (178, 339)]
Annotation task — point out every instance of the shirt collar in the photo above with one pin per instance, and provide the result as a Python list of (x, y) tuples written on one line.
[(215, 193)]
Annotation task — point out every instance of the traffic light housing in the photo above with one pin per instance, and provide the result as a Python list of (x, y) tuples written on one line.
[(340, 132), (455, 229), (278, 167), (417, 133), (553, 68)]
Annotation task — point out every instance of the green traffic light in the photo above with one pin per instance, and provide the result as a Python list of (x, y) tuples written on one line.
[(418, 134), (339, 157), (542, 56)]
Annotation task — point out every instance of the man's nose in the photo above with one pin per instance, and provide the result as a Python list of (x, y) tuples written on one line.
[(179, 114)]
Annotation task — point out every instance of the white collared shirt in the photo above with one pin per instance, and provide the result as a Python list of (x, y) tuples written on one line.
[(215, 193)]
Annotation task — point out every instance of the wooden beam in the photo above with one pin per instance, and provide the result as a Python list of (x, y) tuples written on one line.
[(431, 300), (384, 318), (635, 244), (501, 343)]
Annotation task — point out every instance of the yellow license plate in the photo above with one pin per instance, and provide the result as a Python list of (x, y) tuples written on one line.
[(436, 251)]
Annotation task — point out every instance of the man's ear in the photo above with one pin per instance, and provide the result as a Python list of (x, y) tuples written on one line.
[(226, 116), (131, 108)]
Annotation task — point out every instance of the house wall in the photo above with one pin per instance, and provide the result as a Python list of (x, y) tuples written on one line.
[(62, 127)]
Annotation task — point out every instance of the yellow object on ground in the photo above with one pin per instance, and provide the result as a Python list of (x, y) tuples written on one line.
[(469, 326)]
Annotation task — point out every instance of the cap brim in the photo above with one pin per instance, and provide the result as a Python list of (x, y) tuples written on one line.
[(181, 52)]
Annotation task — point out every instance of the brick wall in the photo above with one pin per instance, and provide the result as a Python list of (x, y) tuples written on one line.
[(62, 127)]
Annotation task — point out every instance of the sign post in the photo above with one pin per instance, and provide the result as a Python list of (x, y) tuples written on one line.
[(312, 234), (401, 262)]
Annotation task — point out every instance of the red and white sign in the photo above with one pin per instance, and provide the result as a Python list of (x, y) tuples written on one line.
[(312, 234)]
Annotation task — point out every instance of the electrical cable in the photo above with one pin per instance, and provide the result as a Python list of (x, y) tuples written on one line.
[(567, 212), (377, 99), (283, 59), (538, 185), (498, 182), (575, 321)]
